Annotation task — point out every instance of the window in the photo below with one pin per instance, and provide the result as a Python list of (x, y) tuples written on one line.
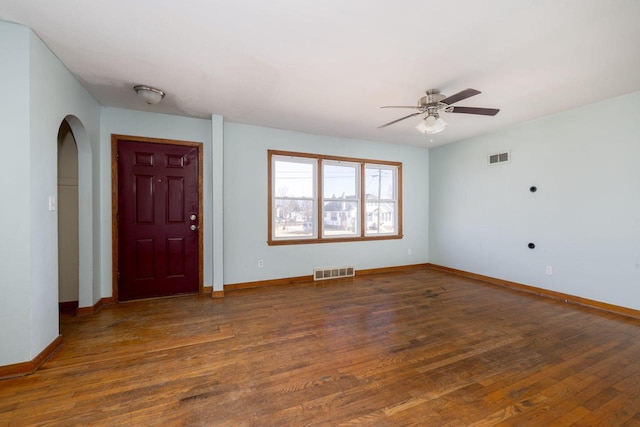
[(294, 198), (381, 199), (340, 199), (319, 199)]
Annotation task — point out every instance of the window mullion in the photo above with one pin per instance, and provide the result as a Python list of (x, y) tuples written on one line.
[(363, 200), (319, 199)]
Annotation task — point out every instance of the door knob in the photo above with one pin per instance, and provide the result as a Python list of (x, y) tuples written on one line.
[(193, 217), (193, 227)]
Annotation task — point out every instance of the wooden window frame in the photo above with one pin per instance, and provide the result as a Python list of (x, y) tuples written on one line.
[(318, 238), (322, 199)]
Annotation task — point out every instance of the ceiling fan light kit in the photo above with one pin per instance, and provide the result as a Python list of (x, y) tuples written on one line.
[(432, 124), (433, 103), (149, 94)]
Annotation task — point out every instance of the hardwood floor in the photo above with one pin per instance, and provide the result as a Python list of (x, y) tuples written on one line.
[(421, 348)]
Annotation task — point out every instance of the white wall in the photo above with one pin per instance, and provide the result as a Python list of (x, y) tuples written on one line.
[(37, 94), (217, 159), (584, 218), (53, 94), (15, 224), (138, 123), (245, 207)]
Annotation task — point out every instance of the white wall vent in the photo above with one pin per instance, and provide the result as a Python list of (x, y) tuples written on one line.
[(333, 273), (499, 158)]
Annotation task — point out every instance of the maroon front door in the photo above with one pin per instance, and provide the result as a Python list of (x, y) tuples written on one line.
[(157, 219)]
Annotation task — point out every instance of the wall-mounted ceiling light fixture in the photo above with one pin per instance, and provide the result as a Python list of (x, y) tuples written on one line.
[(149, 94), (433, 123)]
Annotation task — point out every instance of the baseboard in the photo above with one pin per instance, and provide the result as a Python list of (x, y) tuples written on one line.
[(625, 311), (26, 368), (308, 279), (217, 294), (68, 306), (207, 290), (88, 311)]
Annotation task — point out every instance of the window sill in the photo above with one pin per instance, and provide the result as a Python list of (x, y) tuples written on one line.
[(332, 240)]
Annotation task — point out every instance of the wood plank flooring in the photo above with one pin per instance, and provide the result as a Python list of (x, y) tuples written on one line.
[(419, 348)]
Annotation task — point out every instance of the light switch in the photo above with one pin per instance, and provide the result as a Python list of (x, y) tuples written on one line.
[(52, 203)]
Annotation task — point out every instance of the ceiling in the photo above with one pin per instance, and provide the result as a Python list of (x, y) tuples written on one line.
[(325, 67)]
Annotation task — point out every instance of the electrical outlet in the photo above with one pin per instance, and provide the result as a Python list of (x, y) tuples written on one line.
[(409, 251), (549, 270), (260, 263)]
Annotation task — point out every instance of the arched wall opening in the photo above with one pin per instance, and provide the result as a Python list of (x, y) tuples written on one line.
[(68, 258), (84, 261)]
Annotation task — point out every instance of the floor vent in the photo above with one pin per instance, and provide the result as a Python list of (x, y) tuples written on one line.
[(499, 158), (333, 273)]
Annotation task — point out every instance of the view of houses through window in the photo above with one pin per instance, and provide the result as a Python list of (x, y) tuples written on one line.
[(340, 199), (381, 199), (320, 198)]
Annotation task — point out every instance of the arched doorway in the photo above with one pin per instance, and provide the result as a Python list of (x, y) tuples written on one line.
[(87, 285), (68, 258)]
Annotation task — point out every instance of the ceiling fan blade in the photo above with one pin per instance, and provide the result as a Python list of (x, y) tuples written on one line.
[(467, 93), (402, 106), (400, 119), (474, 110)]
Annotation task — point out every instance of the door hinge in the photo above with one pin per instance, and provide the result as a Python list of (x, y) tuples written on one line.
[(118, 276)]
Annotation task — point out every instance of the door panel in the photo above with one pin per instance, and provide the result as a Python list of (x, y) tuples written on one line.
[(157, 195)]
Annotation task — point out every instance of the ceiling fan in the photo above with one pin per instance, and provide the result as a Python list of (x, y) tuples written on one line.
[(433, 103)]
